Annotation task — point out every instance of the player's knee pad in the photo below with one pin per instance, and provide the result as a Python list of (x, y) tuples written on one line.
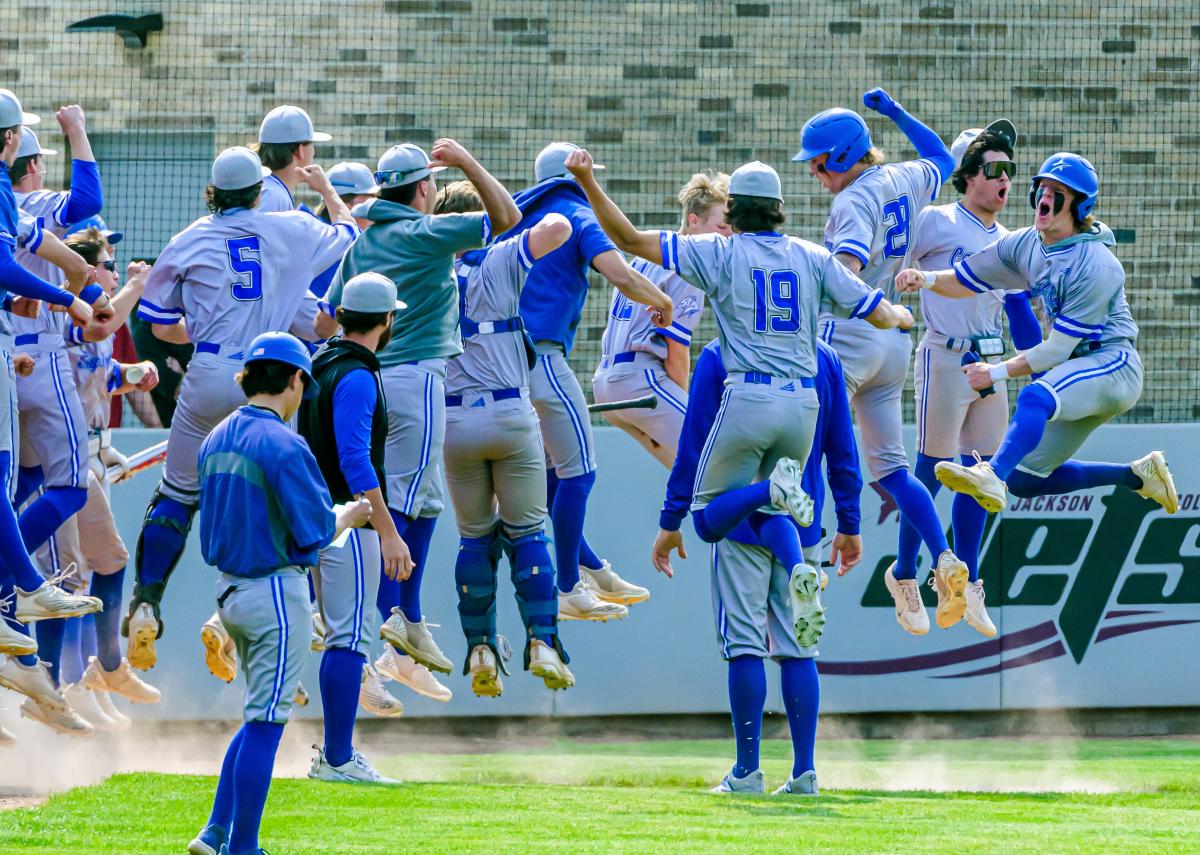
[(475, 581), (537, 596), (1024, 485), (159, 548)]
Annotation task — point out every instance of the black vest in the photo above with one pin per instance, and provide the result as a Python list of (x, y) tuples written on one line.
[(337, 358)]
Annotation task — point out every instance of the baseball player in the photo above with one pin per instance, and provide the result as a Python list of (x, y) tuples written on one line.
[(639, 359), (415, 249), (952, 418), (345, 426), (495, 463), (285, 147), (1092, 369), (868, 231), (254, 467), (551, 308), (355, 183), (228, 277), (751, 591)]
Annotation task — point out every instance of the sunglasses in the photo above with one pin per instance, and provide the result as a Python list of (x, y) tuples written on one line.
[(110, 265), (996, 168)]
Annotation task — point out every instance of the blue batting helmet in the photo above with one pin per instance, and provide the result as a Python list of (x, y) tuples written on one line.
[(841, 134), (1072, 171), (286, 348)]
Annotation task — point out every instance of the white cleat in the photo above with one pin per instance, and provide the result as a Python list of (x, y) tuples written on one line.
[(301, 698), (60, 718), (220, 653), (374, 698), (122, 681), (976, 614), (408, 672), (1157, 483), (803, 785), (545, 662), (317, 645), (611, 588), (808, 615), (581, 603), (15, 643), (356, 770), (979, 481), (415, 640), (49, 602), (32, 681), (910, 611), (83, 701), (105, 702), (950, 581), (7, 740), (143, 630), (787, 494), (484, 673)]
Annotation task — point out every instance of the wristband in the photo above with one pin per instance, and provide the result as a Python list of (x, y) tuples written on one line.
[(91, 293), (999, 372), (930, 279)]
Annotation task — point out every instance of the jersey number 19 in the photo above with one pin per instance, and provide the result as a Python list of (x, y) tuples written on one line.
[(776, 301)]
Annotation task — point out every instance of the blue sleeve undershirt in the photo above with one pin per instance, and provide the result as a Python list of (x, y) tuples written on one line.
[(704, 399), (353, 409), (87, 196)]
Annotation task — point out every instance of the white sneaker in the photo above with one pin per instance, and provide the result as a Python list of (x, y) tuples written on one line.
[(611, 588), (408, 672), (15, 643), (484, 673), (415, 640), (356, 770), (143, 630), (374, 698), (976, 614), (581, 603), (910, 611), (545, 662), (317, 645), (979, 481), (220, 653), (950, 581), (7, 740), (60, 718), (122, 681), (752, 783), (1157, 483), (49, 602), (808, 615), (301, 698), (32, 681), (787, 494), (83, 701), (105, 702)]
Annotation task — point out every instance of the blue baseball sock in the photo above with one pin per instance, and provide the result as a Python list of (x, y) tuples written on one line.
[(916, 507), (251, 782), (88, 646), (747, 697), (14, 557), (418, 535), (48, 511), (222, 809), (108, 622), (70, 664), (910, 539), (29, 479), (967, 521), (1035, 406), (341, 678), (725, 511), (780, 535), (162, 540), (1074, 475), (567, 514), (801, 700), (388, 595), (587, 555), (50, 644)]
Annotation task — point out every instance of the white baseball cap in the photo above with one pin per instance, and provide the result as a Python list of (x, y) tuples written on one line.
[(756, 179), (237, 168), (371, 293), (1002, 128), (403, 164), (352, 179), (11, 113), (288, 124), (30, 145), (552, 161)]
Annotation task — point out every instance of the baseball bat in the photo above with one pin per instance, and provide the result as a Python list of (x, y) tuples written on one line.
[(649, 402), (139, 462)]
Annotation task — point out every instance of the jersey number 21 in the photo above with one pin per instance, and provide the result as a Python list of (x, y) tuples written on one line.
[(244, 260), (895, 218)]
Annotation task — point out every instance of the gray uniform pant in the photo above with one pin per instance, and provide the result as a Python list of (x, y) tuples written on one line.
[(209, 393), (495, 466), (875, 363), (53, 432), (10, 419), (270, 621), (562, 414), (751, 603), (347, 583), (658, 429), (951, 417), (412, 460)]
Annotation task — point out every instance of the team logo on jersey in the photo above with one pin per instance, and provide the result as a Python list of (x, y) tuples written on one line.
[(958, 255), (687, 305), (1045, 290)]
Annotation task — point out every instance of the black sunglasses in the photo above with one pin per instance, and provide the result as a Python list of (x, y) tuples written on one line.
[(996, 168), (110, 265)]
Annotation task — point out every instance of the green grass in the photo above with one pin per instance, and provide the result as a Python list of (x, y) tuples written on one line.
[(885, 796)]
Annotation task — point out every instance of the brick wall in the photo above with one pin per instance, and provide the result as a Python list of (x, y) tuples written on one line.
[(660, 89)]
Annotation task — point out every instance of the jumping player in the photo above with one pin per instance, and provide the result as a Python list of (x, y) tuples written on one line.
[(639, 359), (285, 146), (1092, 369)]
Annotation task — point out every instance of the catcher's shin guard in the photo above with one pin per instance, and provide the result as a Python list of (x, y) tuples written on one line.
[(475, 581), (537, 597), (160, 546)]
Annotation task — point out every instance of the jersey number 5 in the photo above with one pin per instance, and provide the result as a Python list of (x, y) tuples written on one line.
[(895, 217), (776, 301), (244, 260)]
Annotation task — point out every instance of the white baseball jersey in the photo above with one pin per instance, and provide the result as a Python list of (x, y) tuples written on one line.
[(629, 326), (1079, 280), (275, 196), (767, 291), (944, 235), (872, 219), (239, 274), (50, 208), (95, 378), (489, 285)]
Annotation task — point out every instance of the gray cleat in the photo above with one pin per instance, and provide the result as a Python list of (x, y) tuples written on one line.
[(752, 783), (804, 785)]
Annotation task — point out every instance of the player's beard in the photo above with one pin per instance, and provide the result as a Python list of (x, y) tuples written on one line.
[(384, 339)]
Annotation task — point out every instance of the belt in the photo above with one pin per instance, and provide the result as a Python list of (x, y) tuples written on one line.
[(962, 345), (470, 328), (48, 341), (760, 379), (1086, 348), (218, 349), (494, 394), (628, 357), (98, 439)]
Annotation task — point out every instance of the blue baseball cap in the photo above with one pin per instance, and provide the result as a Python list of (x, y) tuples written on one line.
[(286, 348), (96, 222)]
